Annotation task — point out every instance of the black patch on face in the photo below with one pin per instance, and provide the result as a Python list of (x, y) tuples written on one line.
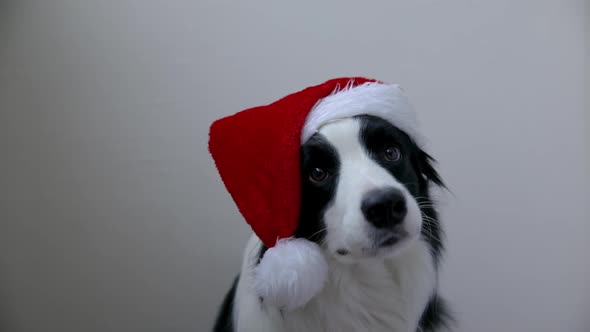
[(316, 196), (317, 152), (414, 170)]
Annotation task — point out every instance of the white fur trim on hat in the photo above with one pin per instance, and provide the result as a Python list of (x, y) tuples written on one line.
[(386, 101), (291, 273)]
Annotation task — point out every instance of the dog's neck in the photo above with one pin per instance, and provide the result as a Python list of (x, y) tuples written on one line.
[(387, 294)]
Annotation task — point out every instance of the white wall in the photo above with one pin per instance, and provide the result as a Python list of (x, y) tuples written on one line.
[(112, 217)]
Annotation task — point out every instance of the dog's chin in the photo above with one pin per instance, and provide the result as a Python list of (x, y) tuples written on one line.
[(379, 247), (393, 247)]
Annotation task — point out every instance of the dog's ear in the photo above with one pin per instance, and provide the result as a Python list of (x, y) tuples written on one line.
[(425, 164)]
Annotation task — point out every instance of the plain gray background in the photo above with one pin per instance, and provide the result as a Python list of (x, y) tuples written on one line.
[(113, 218)]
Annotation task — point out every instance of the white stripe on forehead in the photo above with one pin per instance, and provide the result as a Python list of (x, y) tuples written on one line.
[(358, 172), (386, 101)]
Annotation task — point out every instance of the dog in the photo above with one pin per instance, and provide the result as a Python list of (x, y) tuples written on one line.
[(366, 200)]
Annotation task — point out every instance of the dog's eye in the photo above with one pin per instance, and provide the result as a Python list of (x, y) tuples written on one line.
[(392, 153), (318, 175)]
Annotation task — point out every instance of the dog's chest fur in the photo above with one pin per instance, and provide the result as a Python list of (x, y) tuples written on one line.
[(375, 296)]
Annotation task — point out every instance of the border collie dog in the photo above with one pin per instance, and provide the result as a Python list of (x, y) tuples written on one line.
[(366, 202)]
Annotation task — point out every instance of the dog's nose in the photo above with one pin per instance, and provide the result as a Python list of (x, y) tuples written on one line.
[(384, 207)]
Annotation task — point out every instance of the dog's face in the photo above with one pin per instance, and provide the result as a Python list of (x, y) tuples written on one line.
[(363, 185)]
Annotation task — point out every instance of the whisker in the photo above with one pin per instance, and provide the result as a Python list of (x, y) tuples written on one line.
[(318, 232), (429, 218), (426, 205)]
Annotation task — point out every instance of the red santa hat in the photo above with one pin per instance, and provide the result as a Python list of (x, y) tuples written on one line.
[(257, 153)]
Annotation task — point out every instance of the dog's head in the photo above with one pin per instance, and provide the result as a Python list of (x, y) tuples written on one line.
[(365, 190)]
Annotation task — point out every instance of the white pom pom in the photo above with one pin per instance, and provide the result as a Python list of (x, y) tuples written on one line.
[(291, 273)]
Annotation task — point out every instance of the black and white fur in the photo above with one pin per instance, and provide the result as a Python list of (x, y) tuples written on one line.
[(382, 274)]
